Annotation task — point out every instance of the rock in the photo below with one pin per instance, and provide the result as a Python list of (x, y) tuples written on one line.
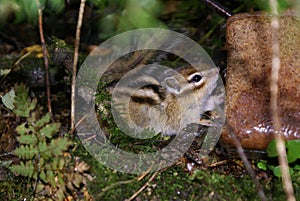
[(249, 45)]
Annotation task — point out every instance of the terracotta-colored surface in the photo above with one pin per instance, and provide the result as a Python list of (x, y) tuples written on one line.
[(249, 43)]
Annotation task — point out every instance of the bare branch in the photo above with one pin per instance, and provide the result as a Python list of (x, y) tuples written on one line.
[(274, 96), (246, 162), (46, 62), (75, 61)]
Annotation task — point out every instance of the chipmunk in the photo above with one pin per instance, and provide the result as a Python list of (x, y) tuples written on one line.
[(164, 100)]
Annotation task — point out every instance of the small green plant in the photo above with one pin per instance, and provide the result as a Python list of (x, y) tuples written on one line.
[(27, 10), (281, 5), (44, 161), (293, 154)]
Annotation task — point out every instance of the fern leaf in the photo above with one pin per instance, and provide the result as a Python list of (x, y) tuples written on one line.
[(54, 163), (22, 104), (59, 145), (61, 164), (44, 120), (55, 148), (26, 152), (33, 104), (50, 129), (26, 170), (24, 129), (43, 176), (27, 139), (60, 179), (51, 178), (42, 162), (44, 150)]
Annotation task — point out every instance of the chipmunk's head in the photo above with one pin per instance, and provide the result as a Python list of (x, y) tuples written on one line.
[(188, 79)]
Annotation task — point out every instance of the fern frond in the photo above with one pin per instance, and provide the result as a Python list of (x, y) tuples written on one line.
[(42, 121), (44, 150), (55, 148), (22, 102), (24, 129), (50, 178), (26, 169), (41, 151), (26, 152), (50, 129), (28, 139)]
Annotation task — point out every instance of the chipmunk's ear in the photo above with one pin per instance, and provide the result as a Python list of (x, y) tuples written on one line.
[(172, 85)]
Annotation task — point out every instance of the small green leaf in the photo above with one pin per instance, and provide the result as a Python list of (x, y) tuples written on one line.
[(35, 174), (262, 165), (42, 162), (43, 176), (42, 121), (277, 171), (57, 146), (297, 167), (271, 167), (22, 102), (271, 150), (26, 152), (8, 99), (32, 104), (56, 5), (45, 150), (50, 129), (293, 152), (61, 164), (26, 169), (55, 163), (24, 129), (27, 139), (281, 5), (60, 179), (51, 178)]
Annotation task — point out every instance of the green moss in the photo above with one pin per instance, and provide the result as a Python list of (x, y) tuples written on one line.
[(176, 183)]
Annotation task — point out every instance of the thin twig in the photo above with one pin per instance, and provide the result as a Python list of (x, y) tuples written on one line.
[(145, 173), (139, 178), (148, 182), (219, 8), (218, 163), (274, 96), (23, 57), (75, 61), (104, 190), (143, 187), (46, 62), (246, 162)]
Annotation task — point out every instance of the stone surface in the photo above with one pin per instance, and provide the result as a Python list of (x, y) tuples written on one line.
[(249, 45)]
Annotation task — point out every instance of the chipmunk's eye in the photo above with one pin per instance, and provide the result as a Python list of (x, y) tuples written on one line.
[(196, 78)]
